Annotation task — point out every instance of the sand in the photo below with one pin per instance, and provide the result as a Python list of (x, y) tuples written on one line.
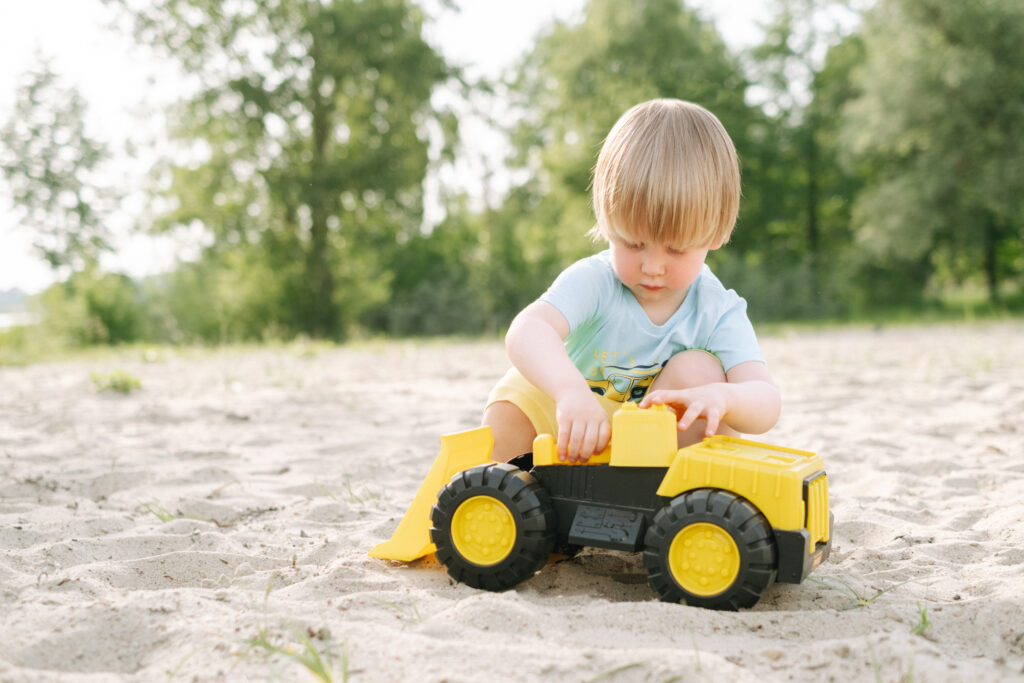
[(231, 501)]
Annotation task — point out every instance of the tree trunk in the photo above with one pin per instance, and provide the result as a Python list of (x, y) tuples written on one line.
[(813, 227), (321, 312), (991, 266)]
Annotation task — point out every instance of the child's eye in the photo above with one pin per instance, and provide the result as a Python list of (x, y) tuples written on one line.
[(634, 245), (676, 252)]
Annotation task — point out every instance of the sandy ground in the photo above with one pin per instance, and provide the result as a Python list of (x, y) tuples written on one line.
[(231, 501)]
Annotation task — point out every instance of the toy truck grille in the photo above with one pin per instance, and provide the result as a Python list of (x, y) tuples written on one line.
[(816, 501)]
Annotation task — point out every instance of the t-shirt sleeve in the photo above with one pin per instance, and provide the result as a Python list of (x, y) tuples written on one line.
[(580, 289), (733, 339)]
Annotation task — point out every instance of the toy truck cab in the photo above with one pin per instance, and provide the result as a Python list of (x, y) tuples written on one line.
[(717, 522)]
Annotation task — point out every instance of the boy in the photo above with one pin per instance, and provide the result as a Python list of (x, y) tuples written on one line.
[(647, 313)]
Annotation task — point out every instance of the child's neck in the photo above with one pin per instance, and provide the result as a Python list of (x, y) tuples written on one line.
[(659, 312)]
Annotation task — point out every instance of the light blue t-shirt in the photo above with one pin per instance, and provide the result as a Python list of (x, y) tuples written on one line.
[(616, 346)]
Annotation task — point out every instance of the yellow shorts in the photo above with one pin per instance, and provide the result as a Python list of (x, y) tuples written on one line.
[(535, 404)]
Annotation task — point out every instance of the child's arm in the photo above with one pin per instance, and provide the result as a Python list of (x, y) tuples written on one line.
[(535, 346), (749, 401)]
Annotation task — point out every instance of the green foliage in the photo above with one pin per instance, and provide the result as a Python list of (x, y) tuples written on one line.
[(17, 347), (778, 288), (92, 307), (310, 144), (51, 165), (802, 246), (940, 124), (471, 274), (433, 290), (227, 297), (121, 382)]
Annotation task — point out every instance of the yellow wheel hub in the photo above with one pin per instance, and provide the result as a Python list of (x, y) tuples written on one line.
[(483, 530), (704, 559)]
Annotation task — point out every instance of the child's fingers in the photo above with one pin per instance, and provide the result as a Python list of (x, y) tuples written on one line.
[(660, 396), (577, 454), (604, 435), (675, 400), (587, 443), (563, 440), (590, 443), (714, 419), (602, 432), (579, 439), (576, 435), (583, 439), (693, 412)]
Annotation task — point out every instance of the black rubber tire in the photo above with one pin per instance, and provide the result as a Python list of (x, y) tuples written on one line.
[(737, 517), (532, 513)]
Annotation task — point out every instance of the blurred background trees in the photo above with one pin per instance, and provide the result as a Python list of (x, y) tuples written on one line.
[(49, 163), (939, 122), (52, 167), (881, 155), (307, 147)]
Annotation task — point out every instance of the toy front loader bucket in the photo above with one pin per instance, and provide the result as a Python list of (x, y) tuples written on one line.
[(459, 452)]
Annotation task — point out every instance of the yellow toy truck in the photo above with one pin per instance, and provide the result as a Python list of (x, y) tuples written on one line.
[(717, 522)]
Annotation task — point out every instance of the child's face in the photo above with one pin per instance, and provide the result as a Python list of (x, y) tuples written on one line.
[(658, 275)]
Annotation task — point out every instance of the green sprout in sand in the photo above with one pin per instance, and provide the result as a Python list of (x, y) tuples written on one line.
[(120, 381), (305, 653), (923, 622)]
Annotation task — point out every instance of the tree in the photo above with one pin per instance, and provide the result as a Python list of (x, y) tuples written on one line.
[(309, 132), (572, 87), (52, 167), (941, 120), (803, 72)]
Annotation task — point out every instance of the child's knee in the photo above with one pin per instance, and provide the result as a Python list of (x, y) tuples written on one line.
[(691, 368), (512, 430)]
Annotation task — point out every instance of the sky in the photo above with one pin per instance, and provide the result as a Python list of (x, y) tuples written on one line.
[(125, 87)]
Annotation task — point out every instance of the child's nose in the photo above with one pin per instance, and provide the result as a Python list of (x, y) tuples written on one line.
[(652, 264)]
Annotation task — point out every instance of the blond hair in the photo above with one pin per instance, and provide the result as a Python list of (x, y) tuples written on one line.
[(668, 174)]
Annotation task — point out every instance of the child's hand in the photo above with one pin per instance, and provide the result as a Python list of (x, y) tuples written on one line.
[(710, 402), (583, 426)]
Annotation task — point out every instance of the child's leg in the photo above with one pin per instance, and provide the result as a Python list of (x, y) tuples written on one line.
[(688, 369), (516, 412), (513, 431)]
